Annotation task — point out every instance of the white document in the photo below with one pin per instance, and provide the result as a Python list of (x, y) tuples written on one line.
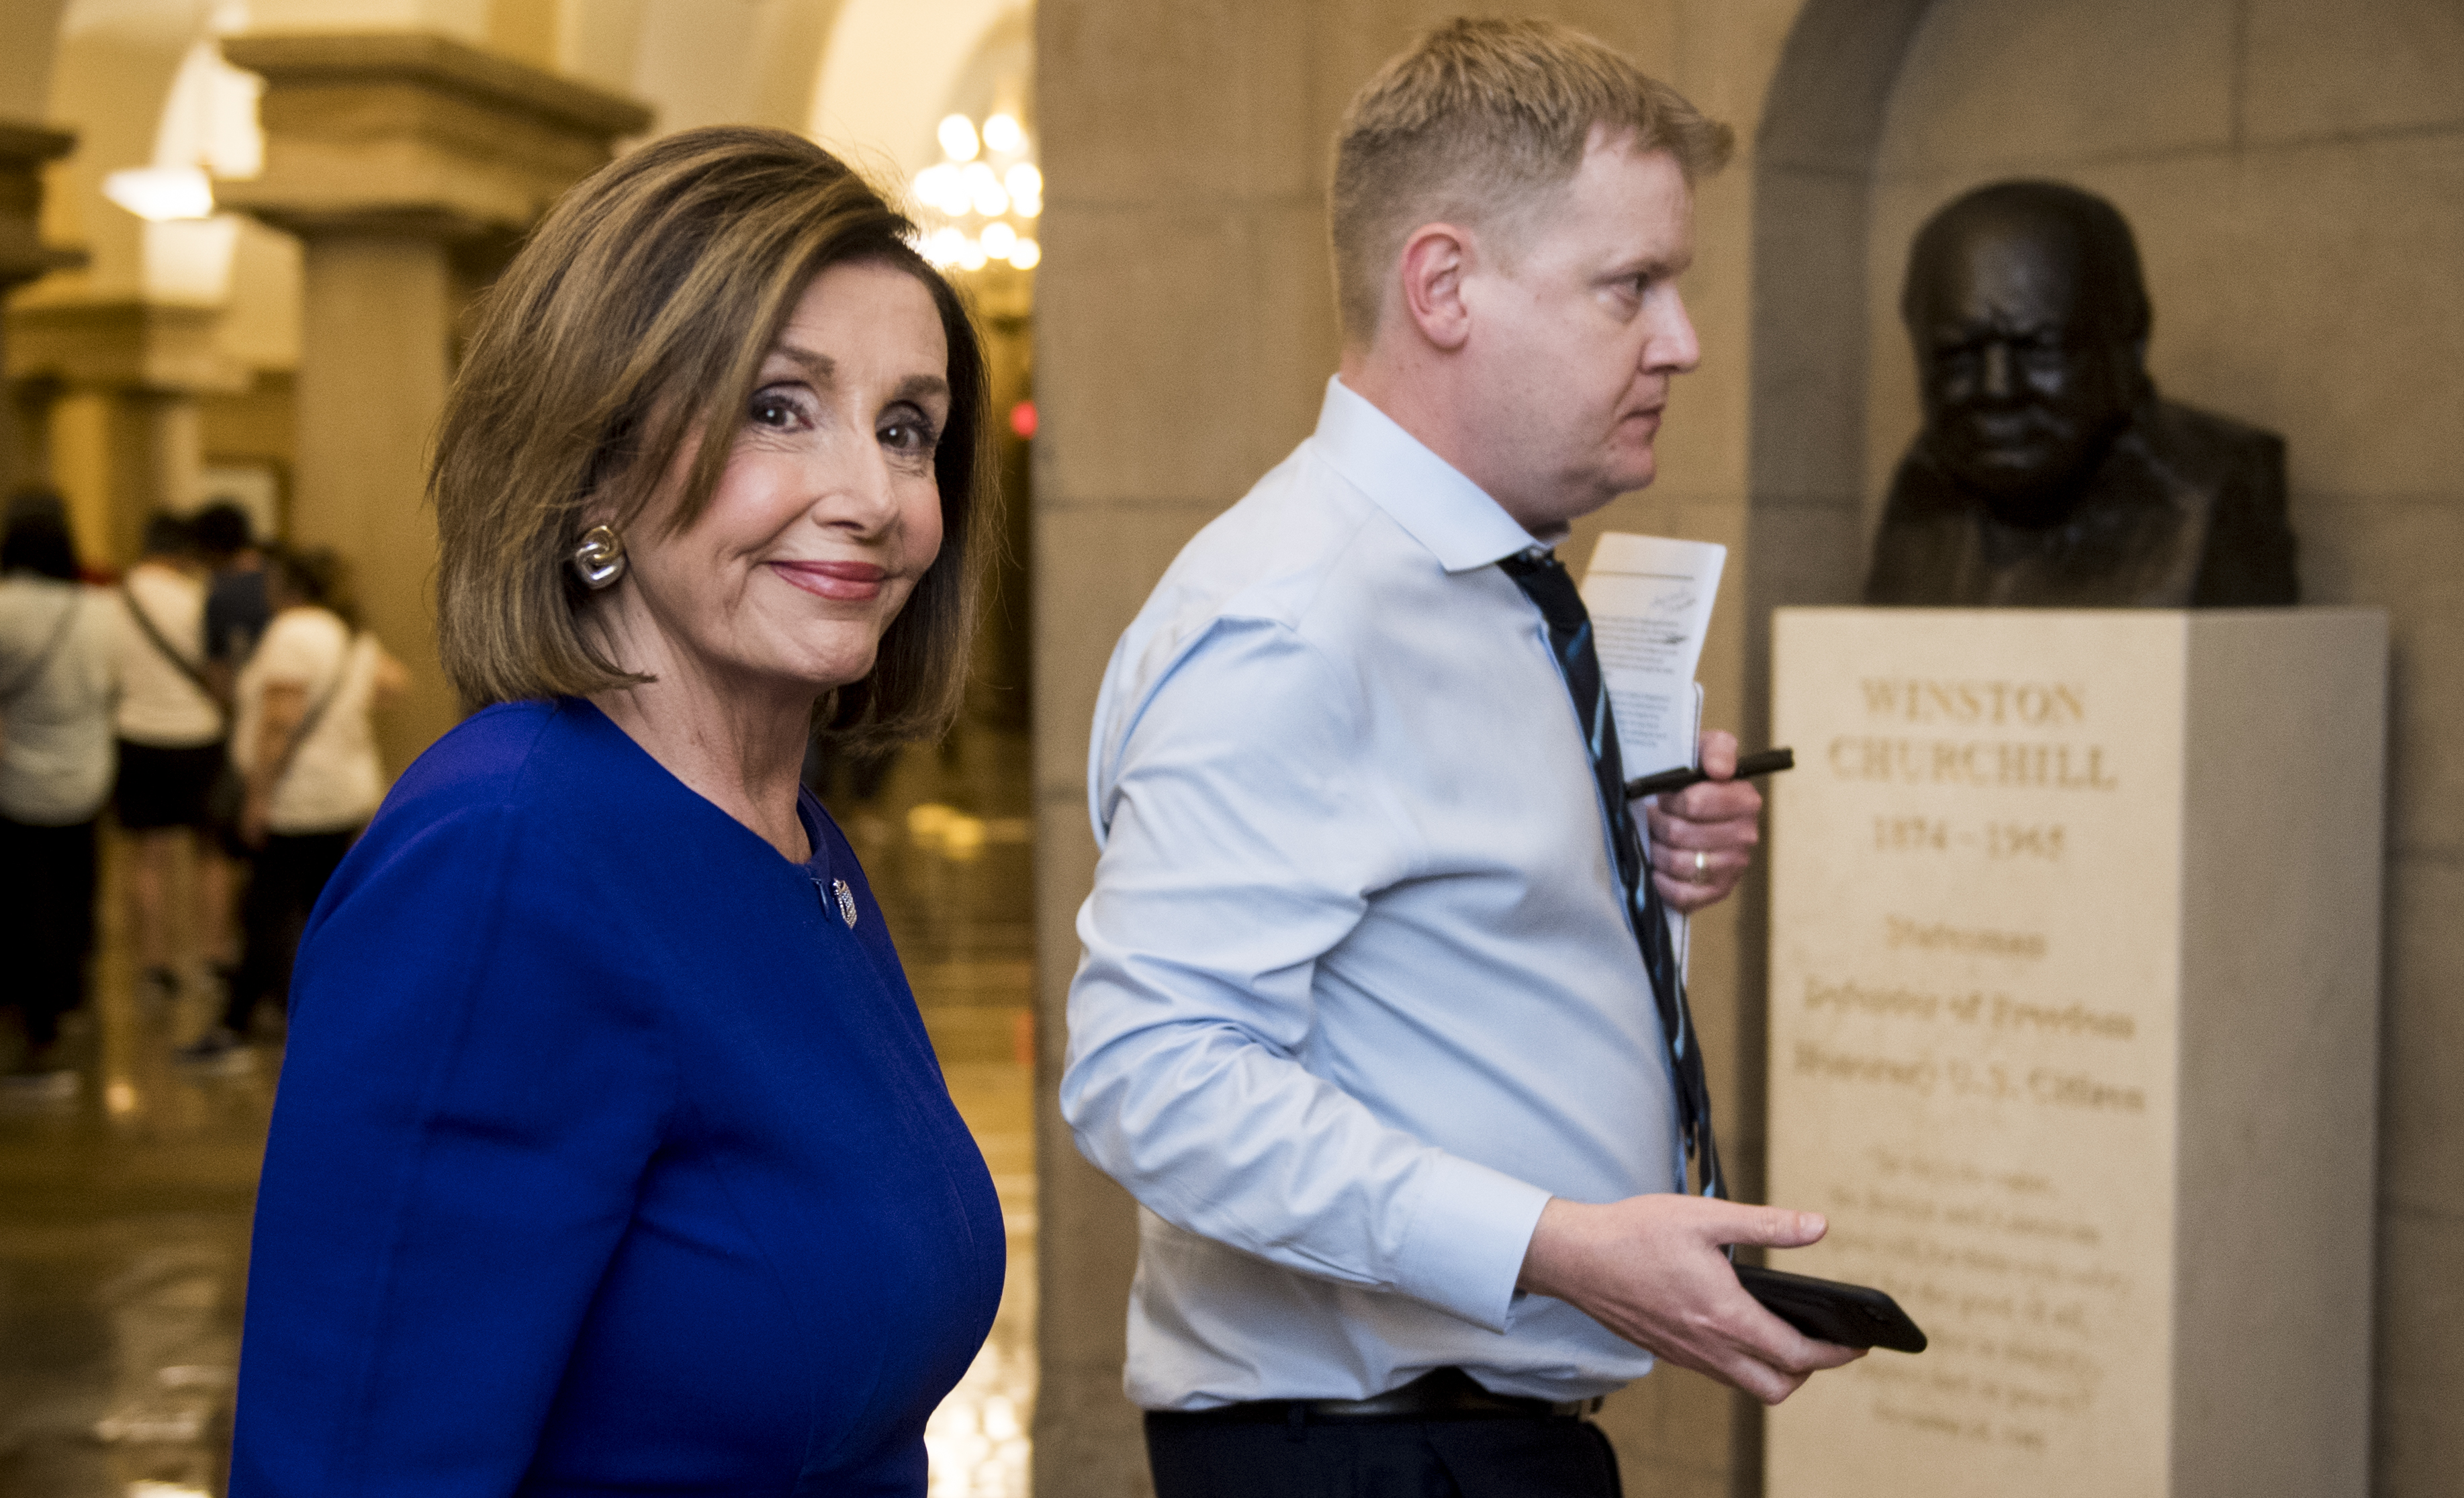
[(1650, 600)]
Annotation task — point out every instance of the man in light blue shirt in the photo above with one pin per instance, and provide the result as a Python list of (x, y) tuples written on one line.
[(1362, 1020)]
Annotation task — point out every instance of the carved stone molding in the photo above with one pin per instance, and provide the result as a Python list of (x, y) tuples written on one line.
[(24, 148), (121, 345), (408, 134)]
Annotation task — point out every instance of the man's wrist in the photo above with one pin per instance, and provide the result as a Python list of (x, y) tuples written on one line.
[(1544, 1259)]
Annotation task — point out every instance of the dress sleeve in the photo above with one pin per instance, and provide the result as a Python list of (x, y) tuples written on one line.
[(471, 1094), (1242, 846)]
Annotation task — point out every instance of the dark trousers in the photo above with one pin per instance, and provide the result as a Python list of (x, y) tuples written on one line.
[(1512, 1457), (46, 922), (285, 876)]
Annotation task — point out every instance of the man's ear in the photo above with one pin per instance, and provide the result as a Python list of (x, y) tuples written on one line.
[(1435, 260)]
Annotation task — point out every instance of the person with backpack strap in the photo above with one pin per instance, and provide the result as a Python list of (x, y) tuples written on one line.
[(170, 725), (302, 739)]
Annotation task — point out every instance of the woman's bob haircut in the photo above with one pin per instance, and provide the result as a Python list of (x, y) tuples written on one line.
[(629, 332)]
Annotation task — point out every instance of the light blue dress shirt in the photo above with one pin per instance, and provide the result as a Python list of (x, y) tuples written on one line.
[(1358, 993)]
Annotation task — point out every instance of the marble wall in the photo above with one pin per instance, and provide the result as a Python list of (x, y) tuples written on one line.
[(2294, 167)]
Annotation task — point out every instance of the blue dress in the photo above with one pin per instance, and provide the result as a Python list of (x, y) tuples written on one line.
[(607, 1156)]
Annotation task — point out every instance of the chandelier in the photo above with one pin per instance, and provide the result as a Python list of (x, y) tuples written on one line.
[(982, 196)]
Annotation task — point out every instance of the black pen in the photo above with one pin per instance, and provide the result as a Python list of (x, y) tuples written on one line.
[(1769, 761)]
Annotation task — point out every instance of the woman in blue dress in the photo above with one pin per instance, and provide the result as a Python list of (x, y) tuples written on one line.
[(610, 1154)]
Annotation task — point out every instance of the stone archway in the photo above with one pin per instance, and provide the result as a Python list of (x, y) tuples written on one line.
[(1813, 168), (892, 110), (1814, 162), (1813, 165)]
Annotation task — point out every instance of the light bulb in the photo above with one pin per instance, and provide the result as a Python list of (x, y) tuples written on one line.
[(159, 194), (1001, 133), (971, 256), (1026, 187), (999, 239), (1000, 1417), (957, 136), (937, 187), (1025, 253), (983, 191)]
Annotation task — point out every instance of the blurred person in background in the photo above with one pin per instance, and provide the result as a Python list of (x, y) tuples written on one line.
[(237, 609), (56, 648), (236, 613), (303, 740), (170, 731)]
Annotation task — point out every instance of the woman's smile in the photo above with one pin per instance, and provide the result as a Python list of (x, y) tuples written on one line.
[(843, 581)]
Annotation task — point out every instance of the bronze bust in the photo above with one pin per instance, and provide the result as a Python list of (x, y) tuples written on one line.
[(2049, 474)]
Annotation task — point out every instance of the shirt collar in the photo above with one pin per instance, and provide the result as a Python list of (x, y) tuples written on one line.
[(1429, 498)]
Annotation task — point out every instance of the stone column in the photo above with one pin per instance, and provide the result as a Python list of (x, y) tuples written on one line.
[(23, 257), (136, 369), (26, 426), (397, 158)]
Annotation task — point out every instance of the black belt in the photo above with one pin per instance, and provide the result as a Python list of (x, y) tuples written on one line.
[(1448, 1394)]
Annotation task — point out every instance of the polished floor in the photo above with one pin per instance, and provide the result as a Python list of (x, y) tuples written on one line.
[(124, 1212)]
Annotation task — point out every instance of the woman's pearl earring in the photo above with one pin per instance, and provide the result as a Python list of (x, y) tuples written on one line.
[(600, 560)]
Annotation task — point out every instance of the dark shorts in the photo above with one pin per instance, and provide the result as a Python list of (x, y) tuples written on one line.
[(165, 788)]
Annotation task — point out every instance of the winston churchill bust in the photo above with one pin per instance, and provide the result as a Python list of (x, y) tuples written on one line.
[(2050, 473)]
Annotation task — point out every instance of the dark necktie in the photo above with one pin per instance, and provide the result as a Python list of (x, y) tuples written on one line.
[(1543, 578)]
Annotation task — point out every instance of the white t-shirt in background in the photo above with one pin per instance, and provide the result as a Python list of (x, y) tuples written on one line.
[(159, 705), (334, 782), (57, 758)]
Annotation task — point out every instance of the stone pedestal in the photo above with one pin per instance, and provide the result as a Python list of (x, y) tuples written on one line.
[(2074, 982), (403, 162), (24, 148)]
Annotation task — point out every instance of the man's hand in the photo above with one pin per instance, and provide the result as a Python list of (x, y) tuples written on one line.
[(1649, 1268), (1719, 819)]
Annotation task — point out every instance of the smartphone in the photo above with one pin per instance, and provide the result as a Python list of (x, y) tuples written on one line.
[(1852, 1315)]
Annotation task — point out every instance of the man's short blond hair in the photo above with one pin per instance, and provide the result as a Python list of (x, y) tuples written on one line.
[(1477, 124)]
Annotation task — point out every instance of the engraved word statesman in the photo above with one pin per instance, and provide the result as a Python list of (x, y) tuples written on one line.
[(2049, 474)]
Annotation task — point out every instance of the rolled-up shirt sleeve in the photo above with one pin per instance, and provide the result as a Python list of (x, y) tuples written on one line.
[(1241, 844)]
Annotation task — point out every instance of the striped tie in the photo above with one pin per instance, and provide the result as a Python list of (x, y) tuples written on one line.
[(1543, 578)]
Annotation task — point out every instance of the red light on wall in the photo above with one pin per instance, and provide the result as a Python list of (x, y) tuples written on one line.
[(1022, 419)]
